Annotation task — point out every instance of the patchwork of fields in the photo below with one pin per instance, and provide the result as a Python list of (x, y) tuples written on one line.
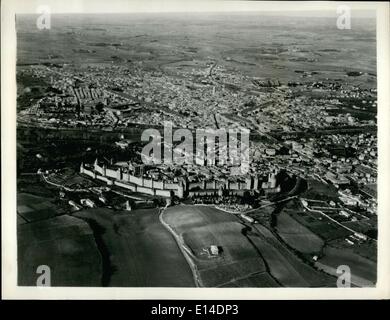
[(284, 265), (250, 256), (102, 247)]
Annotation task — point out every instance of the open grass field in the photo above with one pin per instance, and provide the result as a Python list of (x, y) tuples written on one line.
[(66, 245), (138, 250), (298, 236)]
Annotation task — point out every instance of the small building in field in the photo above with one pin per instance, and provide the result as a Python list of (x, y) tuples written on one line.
[(214, 250)]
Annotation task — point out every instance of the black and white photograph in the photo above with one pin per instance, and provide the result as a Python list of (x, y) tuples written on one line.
[(229, 146)]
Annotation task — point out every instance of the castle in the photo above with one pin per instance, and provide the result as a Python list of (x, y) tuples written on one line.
[(181, 188)]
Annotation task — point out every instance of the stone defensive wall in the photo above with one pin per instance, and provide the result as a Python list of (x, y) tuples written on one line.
[(163, 188), (133, 183)]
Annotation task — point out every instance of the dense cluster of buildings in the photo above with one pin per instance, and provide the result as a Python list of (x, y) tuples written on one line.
[(310, 128)]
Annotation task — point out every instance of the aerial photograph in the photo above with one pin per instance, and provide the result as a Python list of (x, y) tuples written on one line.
[(213, 149)]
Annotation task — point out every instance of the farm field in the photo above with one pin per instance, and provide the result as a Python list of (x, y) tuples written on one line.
[(298, 236), (261, 280), (363, 271), (320, 226), (137, 250), (66, 245), (32, 208), (320, 191), (200, 227), (285, 266)]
